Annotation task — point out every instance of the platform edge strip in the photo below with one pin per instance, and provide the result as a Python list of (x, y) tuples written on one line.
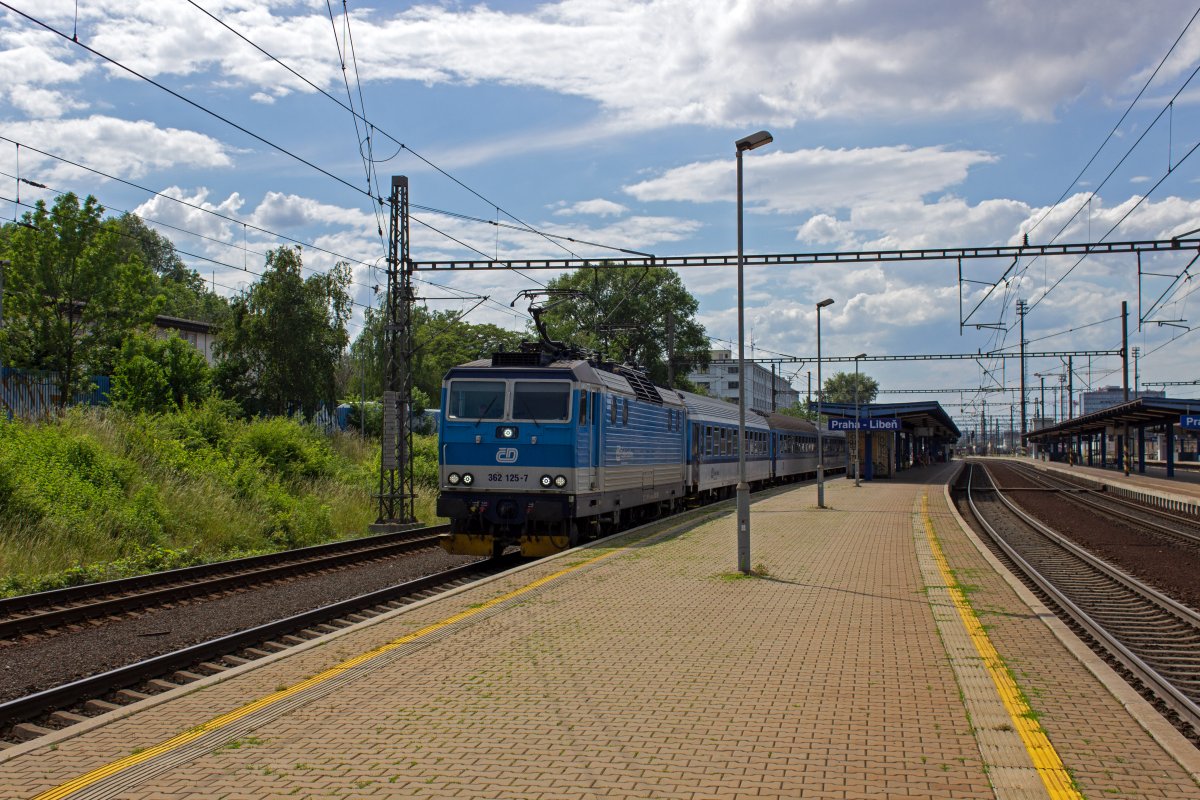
[(1046, 761)]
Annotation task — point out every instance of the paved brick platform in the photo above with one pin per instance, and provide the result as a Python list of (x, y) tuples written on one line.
[(653, 670)]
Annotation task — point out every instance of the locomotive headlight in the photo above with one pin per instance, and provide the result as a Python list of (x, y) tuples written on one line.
[(508, 433), (453, 479), (468, 479), (546, 481), (560, 481)]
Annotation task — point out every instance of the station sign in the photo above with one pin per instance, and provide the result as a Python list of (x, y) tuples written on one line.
[(1189, 422), (851, 424)]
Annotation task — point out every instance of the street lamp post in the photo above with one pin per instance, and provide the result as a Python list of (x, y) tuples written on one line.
[(828, 301), (750, 142), (857, 419)]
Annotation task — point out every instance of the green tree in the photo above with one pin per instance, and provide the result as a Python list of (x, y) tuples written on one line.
[(646, 316), (839, 388), (71, 295), (441, 340), (279, 350), (800, 410), (159, 374), (185, 293)]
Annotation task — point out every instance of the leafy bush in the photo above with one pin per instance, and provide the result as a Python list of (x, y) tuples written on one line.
[(291, 450), (100, 491), (159, 374), (61, 476)]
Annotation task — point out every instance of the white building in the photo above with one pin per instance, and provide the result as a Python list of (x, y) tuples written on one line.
[(201, 335), (1108, 396), (721, 380)]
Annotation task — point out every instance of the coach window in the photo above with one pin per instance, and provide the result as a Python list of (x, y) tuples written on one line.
[(583, 408), (612, 412), (542, 400), (476, 400), (625, 411)]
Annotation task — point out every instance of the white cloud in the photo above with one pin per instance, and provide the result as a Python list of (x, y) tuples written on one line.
[(670, 62), (818, 179), (124, 148), (598, 207), (193, 211), (287, 212)]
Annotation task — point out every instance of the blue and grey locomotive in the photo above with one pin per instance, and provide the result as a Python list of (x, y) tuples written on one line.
[(543, 451)]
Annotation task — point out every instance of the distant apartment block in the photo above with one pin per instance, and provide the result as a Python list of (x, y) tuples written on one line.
[(721, 380), (1108, 396)]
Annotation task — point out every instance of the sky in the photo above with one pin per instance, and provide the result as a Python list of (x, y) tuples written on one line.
[(896, 125)]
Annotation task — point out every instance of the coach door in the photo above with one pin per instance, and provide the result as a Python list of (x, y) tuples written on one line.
[(695, 459)]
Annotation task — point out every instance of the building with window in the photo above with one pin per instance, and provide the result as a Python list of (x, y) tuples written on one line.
[(721, 380), (1108, 396), (200, 335)]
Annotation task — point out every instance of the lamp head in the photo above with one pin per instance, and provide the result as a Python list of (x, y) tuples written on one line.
[(754, 140), (828, 301), (860, 355)]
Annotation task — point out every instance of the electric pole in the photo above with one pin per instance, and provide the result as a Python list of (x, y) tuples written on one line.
[(1022, 308), (1125, 379), (396, 485)]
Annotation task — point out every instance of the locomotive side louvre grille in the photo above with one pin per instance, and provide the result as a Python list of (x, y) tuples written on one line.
[(642, 387)]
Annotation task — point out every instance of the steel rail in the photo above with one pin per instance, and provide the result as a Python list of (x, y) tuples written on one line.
[(1104, 502), (47, 610), (105, 683), (1168, 693)]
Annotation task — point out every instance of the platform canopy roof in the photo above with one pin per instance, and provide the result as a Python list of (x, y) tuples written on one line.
[(928, 414), (1148, 411)]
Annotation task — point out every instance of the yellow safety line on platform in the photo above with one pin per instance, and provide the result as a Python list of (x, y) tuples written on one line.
[(96, 775), (1045, 758)]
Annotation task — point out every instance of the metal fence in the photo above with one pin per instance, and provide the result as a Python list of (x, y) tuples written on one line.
[(34, 394)]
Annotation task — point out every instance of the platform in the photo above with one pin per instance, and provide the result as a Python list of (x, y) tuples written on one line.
[(1184, 487), (878, 654)]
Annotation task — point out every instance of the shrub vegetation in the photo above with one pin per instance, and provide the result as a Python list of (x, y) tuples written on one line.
[(103, 493)]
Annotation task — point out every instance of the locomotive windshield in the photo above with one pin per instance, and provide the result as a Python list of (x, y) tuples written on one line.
[(476, 399), (542, 400)]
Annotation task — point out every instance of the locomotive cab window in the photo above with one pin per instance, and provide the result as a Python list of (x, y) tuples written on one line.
[(542, 400), (476, 400)]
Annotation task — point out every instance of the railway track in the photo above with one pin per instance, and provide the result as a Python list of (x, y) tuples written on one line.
[(41, 713), (1151, 637), (47, 611), (1178, 527)]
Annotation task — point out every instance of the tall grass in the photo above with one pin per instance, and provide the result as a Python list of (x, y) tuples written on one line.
[(101, 493)]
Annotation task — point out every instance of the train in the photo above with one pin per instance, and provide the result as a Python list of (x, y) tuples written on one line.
[(544, 449)]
